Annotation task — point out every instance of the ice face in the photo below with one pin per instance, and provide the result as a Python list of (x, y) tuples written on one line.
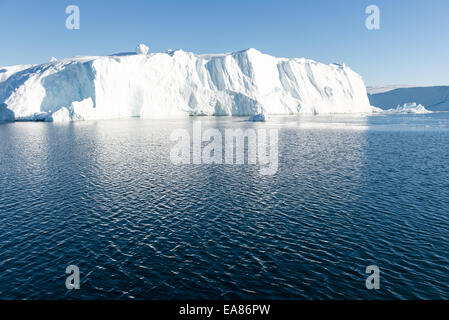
[(179, 83)]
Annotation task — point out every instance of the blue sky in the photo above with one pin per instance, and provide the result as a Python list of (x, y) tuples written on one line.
[(412, 46)]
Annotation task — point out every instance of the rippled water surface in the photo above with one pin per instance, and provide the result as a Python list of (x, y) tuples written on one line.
[(349, 192)]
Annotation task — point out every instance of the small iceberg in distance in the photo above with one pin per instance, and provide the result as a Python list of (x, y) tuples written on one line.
[(411, 107)]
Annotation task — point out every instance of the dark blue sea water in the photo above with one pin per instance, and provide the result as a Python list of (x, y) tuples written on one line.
[(350, 192)]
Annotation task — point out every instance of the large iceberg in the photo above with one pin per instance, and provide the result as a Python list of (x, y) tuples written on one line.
[(177, 83)]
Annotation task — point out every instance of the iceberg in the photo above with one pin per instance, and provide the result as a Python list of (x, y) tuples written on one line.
[(411, 107), (178, 83)]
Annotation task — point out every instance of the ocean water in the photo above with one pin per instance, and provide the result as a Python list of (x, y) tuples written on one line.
[(350, 191)]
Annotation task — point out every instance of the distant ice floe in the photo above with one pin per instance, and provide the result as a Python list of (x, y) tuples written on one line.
[(178, 83), (405, 108)]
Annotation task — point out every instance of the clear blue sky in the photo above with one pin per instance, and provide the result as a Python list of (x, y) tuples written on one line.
[(412, 46)]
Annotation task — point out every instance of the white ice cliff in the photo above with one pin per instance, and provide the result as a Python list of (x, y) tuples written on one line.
[(177, 83)]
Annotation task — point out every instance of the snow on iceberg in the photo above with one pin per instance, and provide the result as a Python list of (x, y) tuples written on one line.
[(6, 72), (179, 83)]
